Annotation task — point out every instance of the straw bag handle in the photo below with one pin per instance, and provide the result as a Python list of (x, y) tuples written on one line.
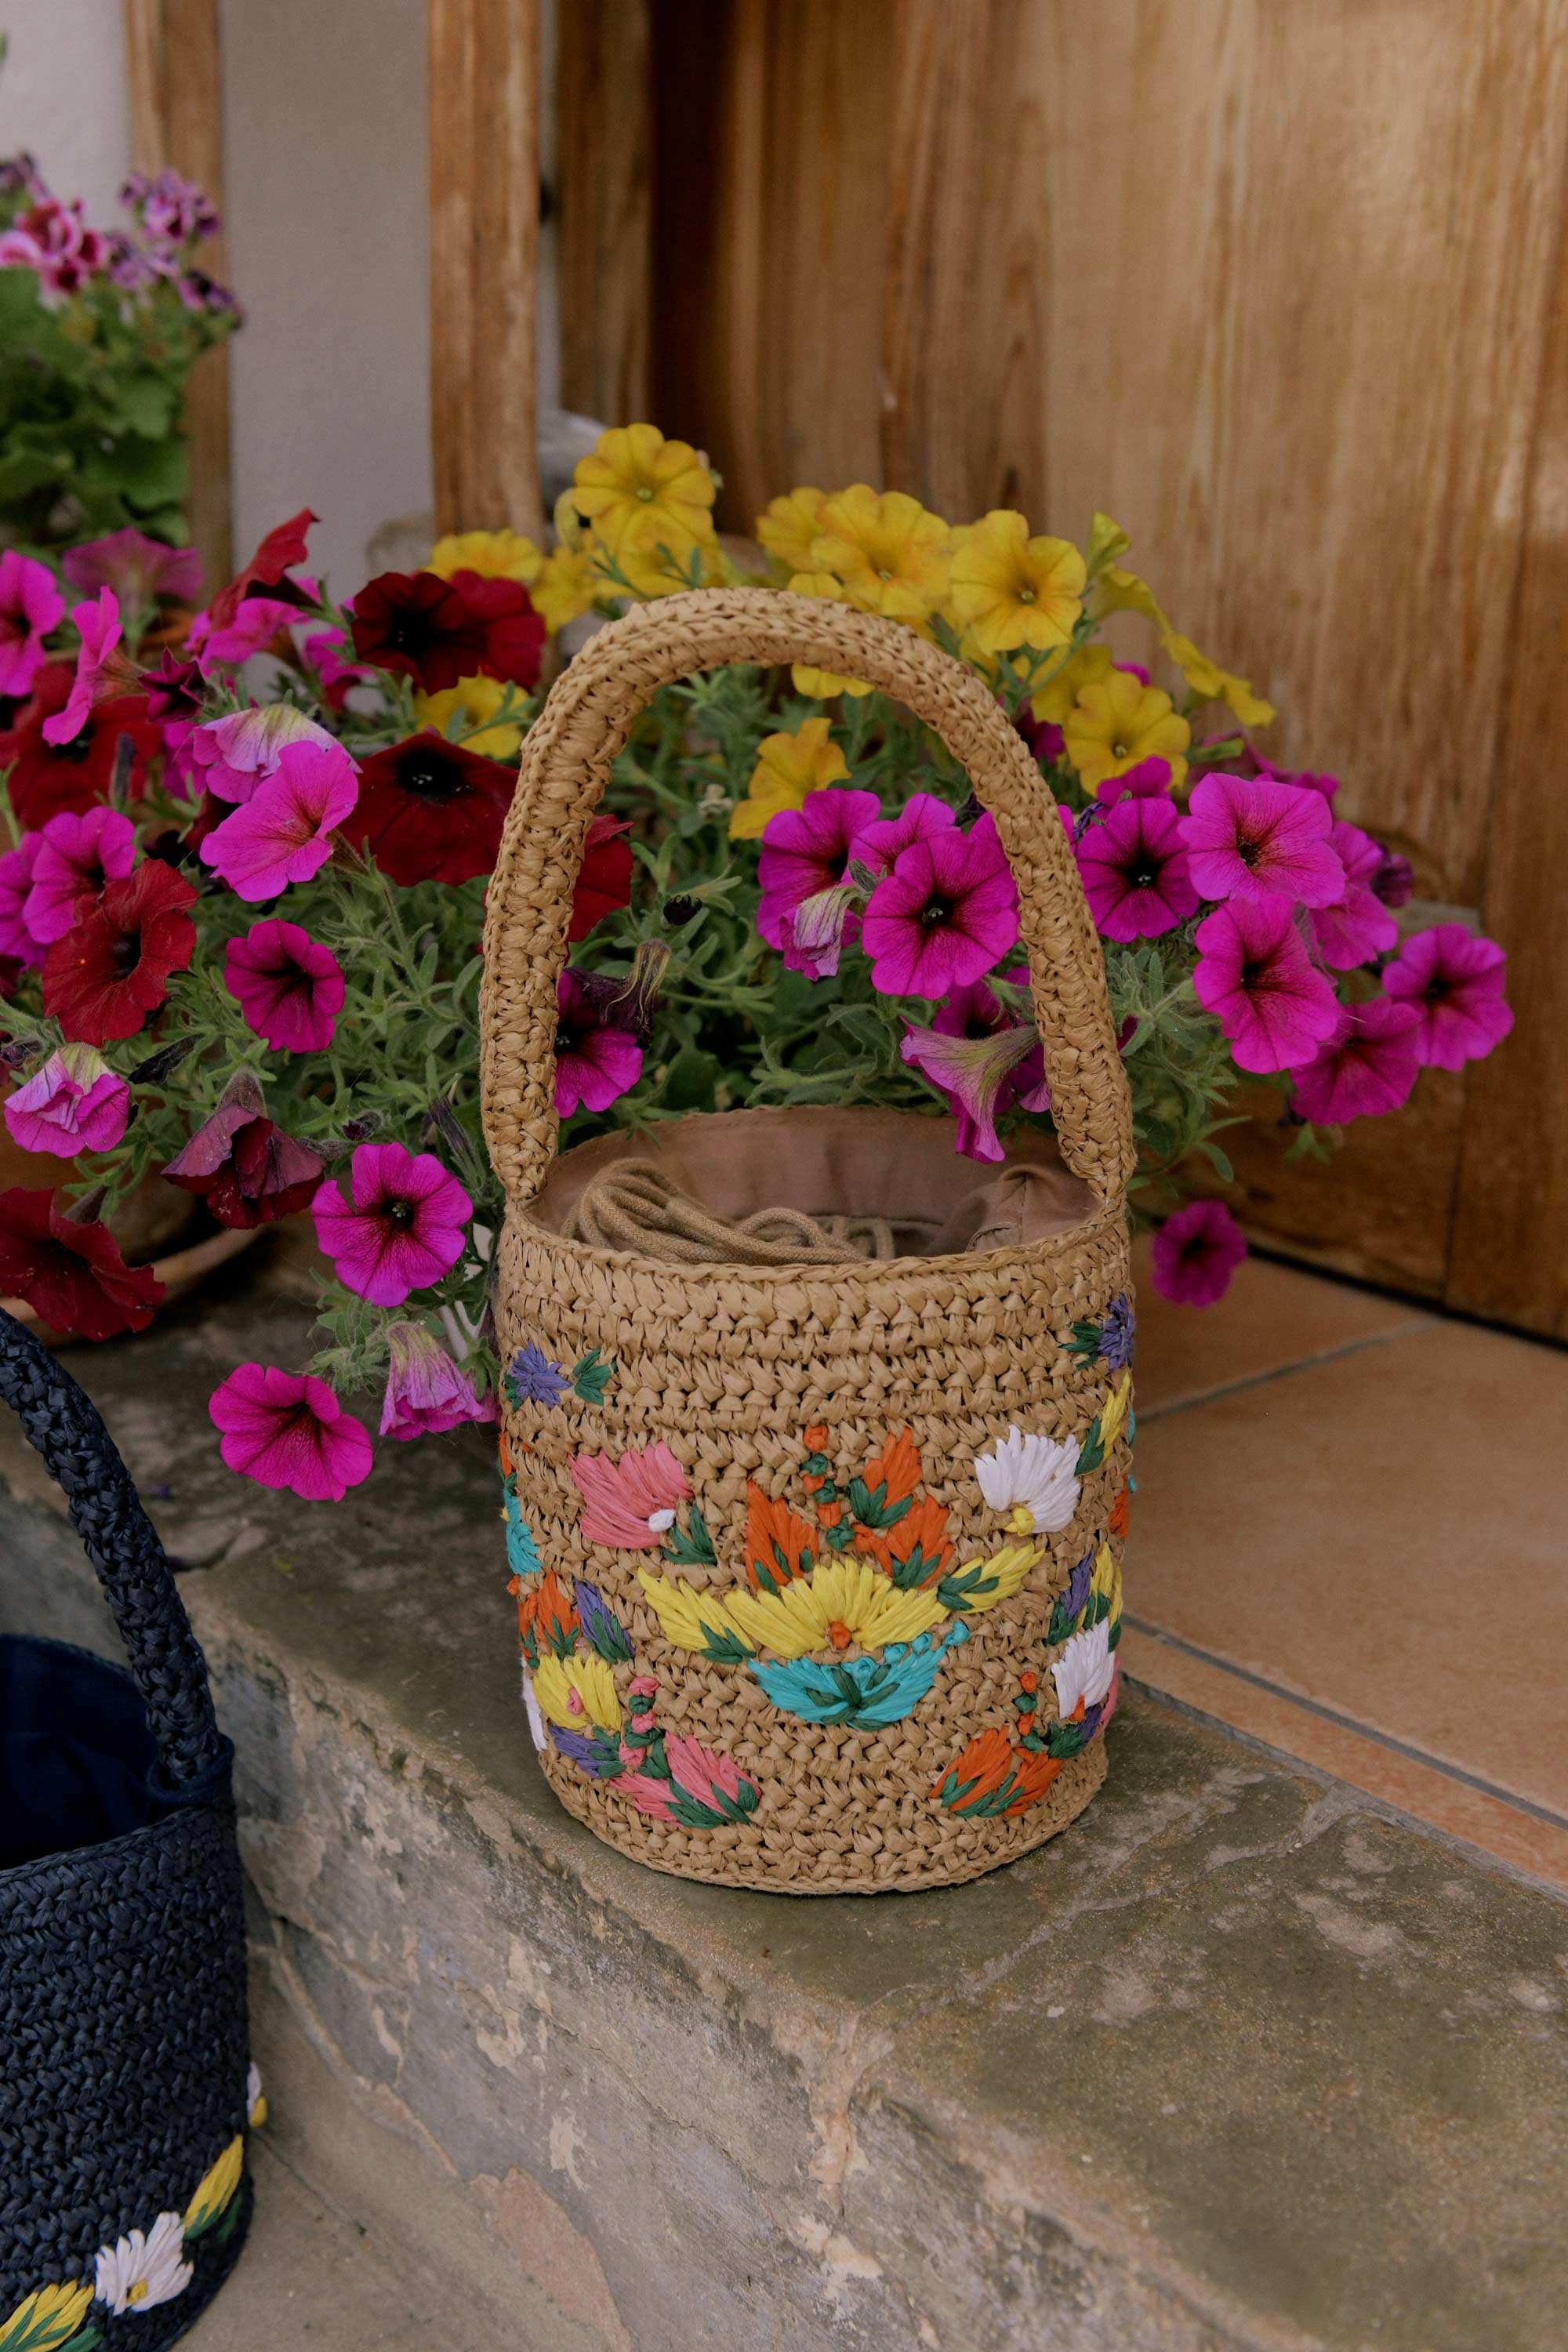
[(62, 1425), (566, 768)]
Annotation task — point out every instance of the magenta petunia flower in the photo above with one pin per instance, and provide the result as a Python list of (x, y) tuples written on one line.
[(256, 621), (427, 1392), (99, 625), (17, 870), (1196, 1253), (1150, 779), (232, 755), (595, 1061), (74, 1103), (983, 1073), (943, 915), (289, 989), (1249, 838), (283, 833), (137, 568), (1368, 1066), (1135, 870), (630, 1502), (806, 850), (1394, 880), (879, 846), (285, 1429), (76, 857), (1454, 980), (30, 606), (816, 933), (327, 651), (1253, 974), (403, 1228), (1356, 926)]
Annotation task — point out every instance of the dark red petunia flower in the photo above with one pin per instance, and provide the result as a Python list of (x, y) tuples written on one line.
[(278, 552), (112, 968), (69, 1270), (511, 633), (605, 876), (176, 688), (431, 811), (417, 626), (49, 779), (246, 1169)]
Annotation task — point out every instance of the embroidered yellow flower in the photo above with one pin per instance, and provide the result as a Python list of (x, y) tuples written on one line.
[(997, 1579), (46, 2320), (844, 1600), (788, 768), (891, 555), (497, 554), (1107, 1580), (687, 1615), (1215, 685), (575, 1692), (1113, 1411), (475, 699), (788, 529), (1088, 667), (1117, 722), (640, 491), (822, 682), (217, 2189), (1010, 589), (565, 588)]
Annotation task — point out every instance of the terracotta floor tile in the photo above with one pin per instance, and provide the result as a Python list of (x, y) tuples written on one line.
[(1382, 1532), (1270, 1316)]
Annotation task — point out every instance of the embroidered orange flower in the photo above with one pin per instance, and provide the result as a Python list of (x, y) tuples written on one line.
[(817, 1437), (978, 1772), (554, 1616), (898, 1467), (922, 1530), (505, 1456), (1036, 1771), (1120, 1512), (778, 1543)]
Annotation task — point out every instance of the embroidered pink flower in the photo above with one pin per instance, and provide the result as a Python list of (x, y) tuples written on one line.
[(983, 1061), (629, 1503), (879, 845), (943, 915), (1252, 839), (806, 850), (1368, 1066), (30, 606), (283, 833), (702, 1772), (1149, 780), (1356, 926), (426, 1394), (1196, 1253), (232, 755), (17, 869), (1135, 869), (1255, 977), (99, 625), (289, 989), (595, 1061), (403, 1229), (137, 568), (76, 855), (74, 1103), (1454, 980), (287, 1430)]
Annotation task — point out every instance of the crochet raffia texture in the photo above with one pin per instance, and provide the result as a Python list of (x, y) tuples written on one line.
[(729, 1365), (123, 2034)]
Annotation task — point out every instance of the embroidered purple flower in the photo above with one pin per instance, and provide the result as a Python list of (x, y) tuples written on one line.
[(30, 606), (1116, 1333), (401, 1229), (1255, 840), (879, 845), (137, 568), (1150, 779), (1255, 976), (1356, 926), (1368, 1066), (533, 1379), (232, 755), (1135, 870), (1196, 1253), (427, 1392), (943, 915), (98, 625), (805, 851), (602, 1628), (74, 1103), (76, 857), (596, 1063), (1454, 980), (983, 1061)]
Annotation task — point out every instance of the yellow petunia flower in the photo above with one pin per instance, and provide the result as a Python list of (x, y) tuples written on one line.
[(575, 1692), (1113, 1411), (788, 529), (565, 588), (821, 684), (1117, 722), (1088, 667), (217, 2190), (788, 768), (1106, 541), (1215, 685), (570, 527), (496, 554), (476, 699), (46, 2320), (1010, 589), (844, 1600), (687, 1615), (1120, 591), (891, 555), (640, 491)]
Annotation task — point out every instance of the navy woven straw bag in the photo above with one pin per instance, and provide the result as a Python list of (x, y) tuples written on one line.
[(125, 2091)]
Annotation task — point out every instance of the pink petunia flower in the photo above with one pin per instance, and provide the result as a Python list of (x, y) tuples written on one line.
[(1196, 1253), (1454, 980), (1149, 780), (817, 931), (137, 568), (403, 1229), (983, 1061), (1253, 974), (1135, 870), (232, 755), (1394, 880), (595, 1061), (879, 845), (289, 989), (1356, 926), (807, 850), (99, 625), (1368, 1066), (285, 1429), (224, 645), (17, 870), (74, 1103), (283, 833), (76, 857), (30, 606), (943, 915), (327, 652), (427, 1392), (629, 1503), (1252, 839)]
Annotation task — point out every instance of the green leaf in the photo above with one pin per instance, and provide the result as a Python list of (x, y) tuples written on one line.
[(691, 1547), (592, 1375)]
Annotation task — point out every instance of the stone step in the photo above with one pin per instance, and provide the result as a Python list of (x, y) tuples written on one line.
[(1240, 2062)]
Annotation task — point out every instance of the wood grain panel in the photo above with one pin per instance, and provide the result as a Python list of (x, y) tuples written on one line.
[(173, 81), (484, 252), (605, 193)]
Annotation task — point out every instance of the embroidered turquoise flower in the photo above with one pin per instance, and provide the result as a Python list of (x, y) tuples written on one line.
[(521, 1551), (860, 1690)]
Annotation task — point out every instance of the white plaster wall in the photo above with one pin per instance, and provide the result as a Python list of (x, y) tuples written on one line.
[(62, 94)]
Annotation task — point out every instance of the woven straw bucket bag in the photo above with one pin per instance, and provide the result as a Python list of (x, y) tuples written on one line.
[(818, 1572)]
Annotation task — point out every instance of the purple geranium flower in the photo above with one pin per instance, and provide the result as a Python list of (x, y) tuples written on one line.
[(805, 851), (1368, 1066), (1252, 839), (1255, 977), (595, 1061), (1356, 926), (943, 915), (1135, 869), (1454, 980), (1196, 1253), (402, 1228), (533, 1379)]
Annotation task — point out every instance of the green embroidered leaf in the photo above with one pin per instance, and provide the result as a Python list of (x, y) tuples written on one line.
[(726, 1649), (817, 1466), (918, 1569), (1114, 1639), (1062, 1621), (1084, 1346), (871, 1506), (592, 1375), (1033, 1742), (1091, 1452), (693, 1547), (1024, 1702), (971, 1584), (1064, 1740), (840, 1537)]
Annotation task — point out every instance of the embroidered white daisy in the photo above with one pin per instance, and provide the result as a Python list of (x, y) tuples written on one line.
[(1033, 1479), (1083, 1672), (138, 2272), (535, 1718), (254, 2098)]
